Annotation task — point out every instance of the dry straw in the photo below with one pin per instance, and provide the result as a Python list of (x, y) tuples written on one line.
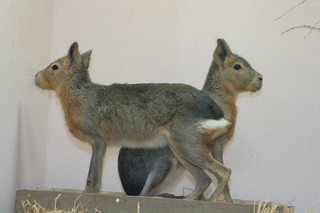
[(35, 207), (265, 207), (78, 207), (271, 207)]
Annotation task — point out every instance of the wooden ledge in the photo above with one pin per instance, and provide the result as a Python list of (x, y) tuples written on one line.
[(118, 202)]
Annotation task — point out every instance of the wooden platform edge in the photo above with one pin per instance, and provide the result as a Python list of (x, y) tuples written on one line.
[(118, 202)]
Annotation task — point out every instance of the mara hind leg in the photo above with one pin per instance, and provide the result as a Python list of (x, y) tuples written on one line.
[(165, 173), (201, 177), (156, 177), (173, 176), (192, 147), (94, 178)]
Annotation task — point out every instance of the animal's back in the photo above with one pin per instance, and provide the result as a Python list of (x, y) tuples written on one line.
[(139, 112)]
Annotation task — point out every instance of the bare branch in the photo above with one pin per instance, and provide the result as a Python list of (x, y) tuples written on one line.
[(312, 29), (304, 1), (302, 27)]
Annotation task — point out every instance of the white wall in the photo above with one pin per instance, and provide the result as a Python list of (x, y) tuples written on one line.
[(275, 151), (25, 32)]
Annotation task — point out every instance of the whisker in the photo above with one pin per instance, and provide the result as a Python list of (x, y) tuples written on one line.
[(30, 74), (29, 87), (29, 79)]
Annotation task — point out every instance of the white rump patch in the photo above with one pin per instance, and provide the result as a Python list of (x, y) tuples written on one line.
[(214, 124)]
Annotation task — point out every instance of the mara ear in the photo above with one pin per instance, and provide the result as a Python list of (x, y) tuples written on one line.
[(85, 59), (73, 54), (222, 52)]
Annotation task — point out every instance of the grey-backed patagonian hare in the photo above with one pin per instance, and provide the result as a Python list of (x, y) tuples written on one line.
[(147, 172), (137, 116)]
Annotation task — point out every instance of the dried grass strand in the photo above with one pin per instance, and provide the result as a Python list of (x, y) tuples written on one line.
[(42, 208), (259, 207), (28, 207), (23, 206), (75, 202), (55, 202), (138, 207), (265, 207)]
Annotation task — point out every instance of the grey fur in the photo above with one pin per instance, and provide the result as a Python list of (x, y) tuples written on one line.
[(223, 84), (136, 115)]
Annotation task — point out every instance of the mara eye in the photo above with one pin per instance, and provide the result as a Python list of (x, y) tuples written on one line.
[(55, 67), (237, 67)]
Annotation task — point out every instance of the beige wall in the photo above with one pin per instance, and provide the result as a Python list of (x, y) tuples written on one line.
[(275, 149), (275, 152), (25, 41)]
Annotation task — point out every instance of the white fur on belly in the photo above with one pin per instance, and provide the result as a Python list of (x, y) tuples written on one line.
[(160, 140)]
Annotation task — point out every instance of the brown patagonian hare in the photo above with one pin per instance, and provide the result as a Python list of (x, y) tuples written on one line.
[(138, 116), (147, 172)]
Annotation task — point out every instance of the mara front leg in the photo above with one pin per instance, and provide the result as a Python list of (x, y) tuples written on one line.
[(217, 152), (94, 178)]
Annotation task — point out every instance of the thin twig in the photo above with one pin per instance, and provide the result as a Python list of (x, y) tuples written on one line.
[(301, 27), (313, 206), (132, 11), (312, 29), (291, 10)]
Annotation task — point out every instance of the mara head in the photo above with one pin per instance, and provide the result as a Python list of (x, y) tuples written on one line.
[(59, 72), (234, 71)]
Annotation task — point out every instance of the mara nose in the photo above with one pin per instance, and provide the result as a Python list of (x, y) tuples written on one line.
[(36, 78), (260, 78), (38, 73)]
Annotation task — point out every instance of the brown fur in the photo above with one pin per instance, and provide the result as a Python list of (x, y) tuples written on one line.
[(73, 117), (209, 135)]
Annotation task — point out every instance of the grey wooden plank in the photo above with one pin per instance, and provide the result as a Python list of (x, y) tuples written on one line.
[(114, 203)]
